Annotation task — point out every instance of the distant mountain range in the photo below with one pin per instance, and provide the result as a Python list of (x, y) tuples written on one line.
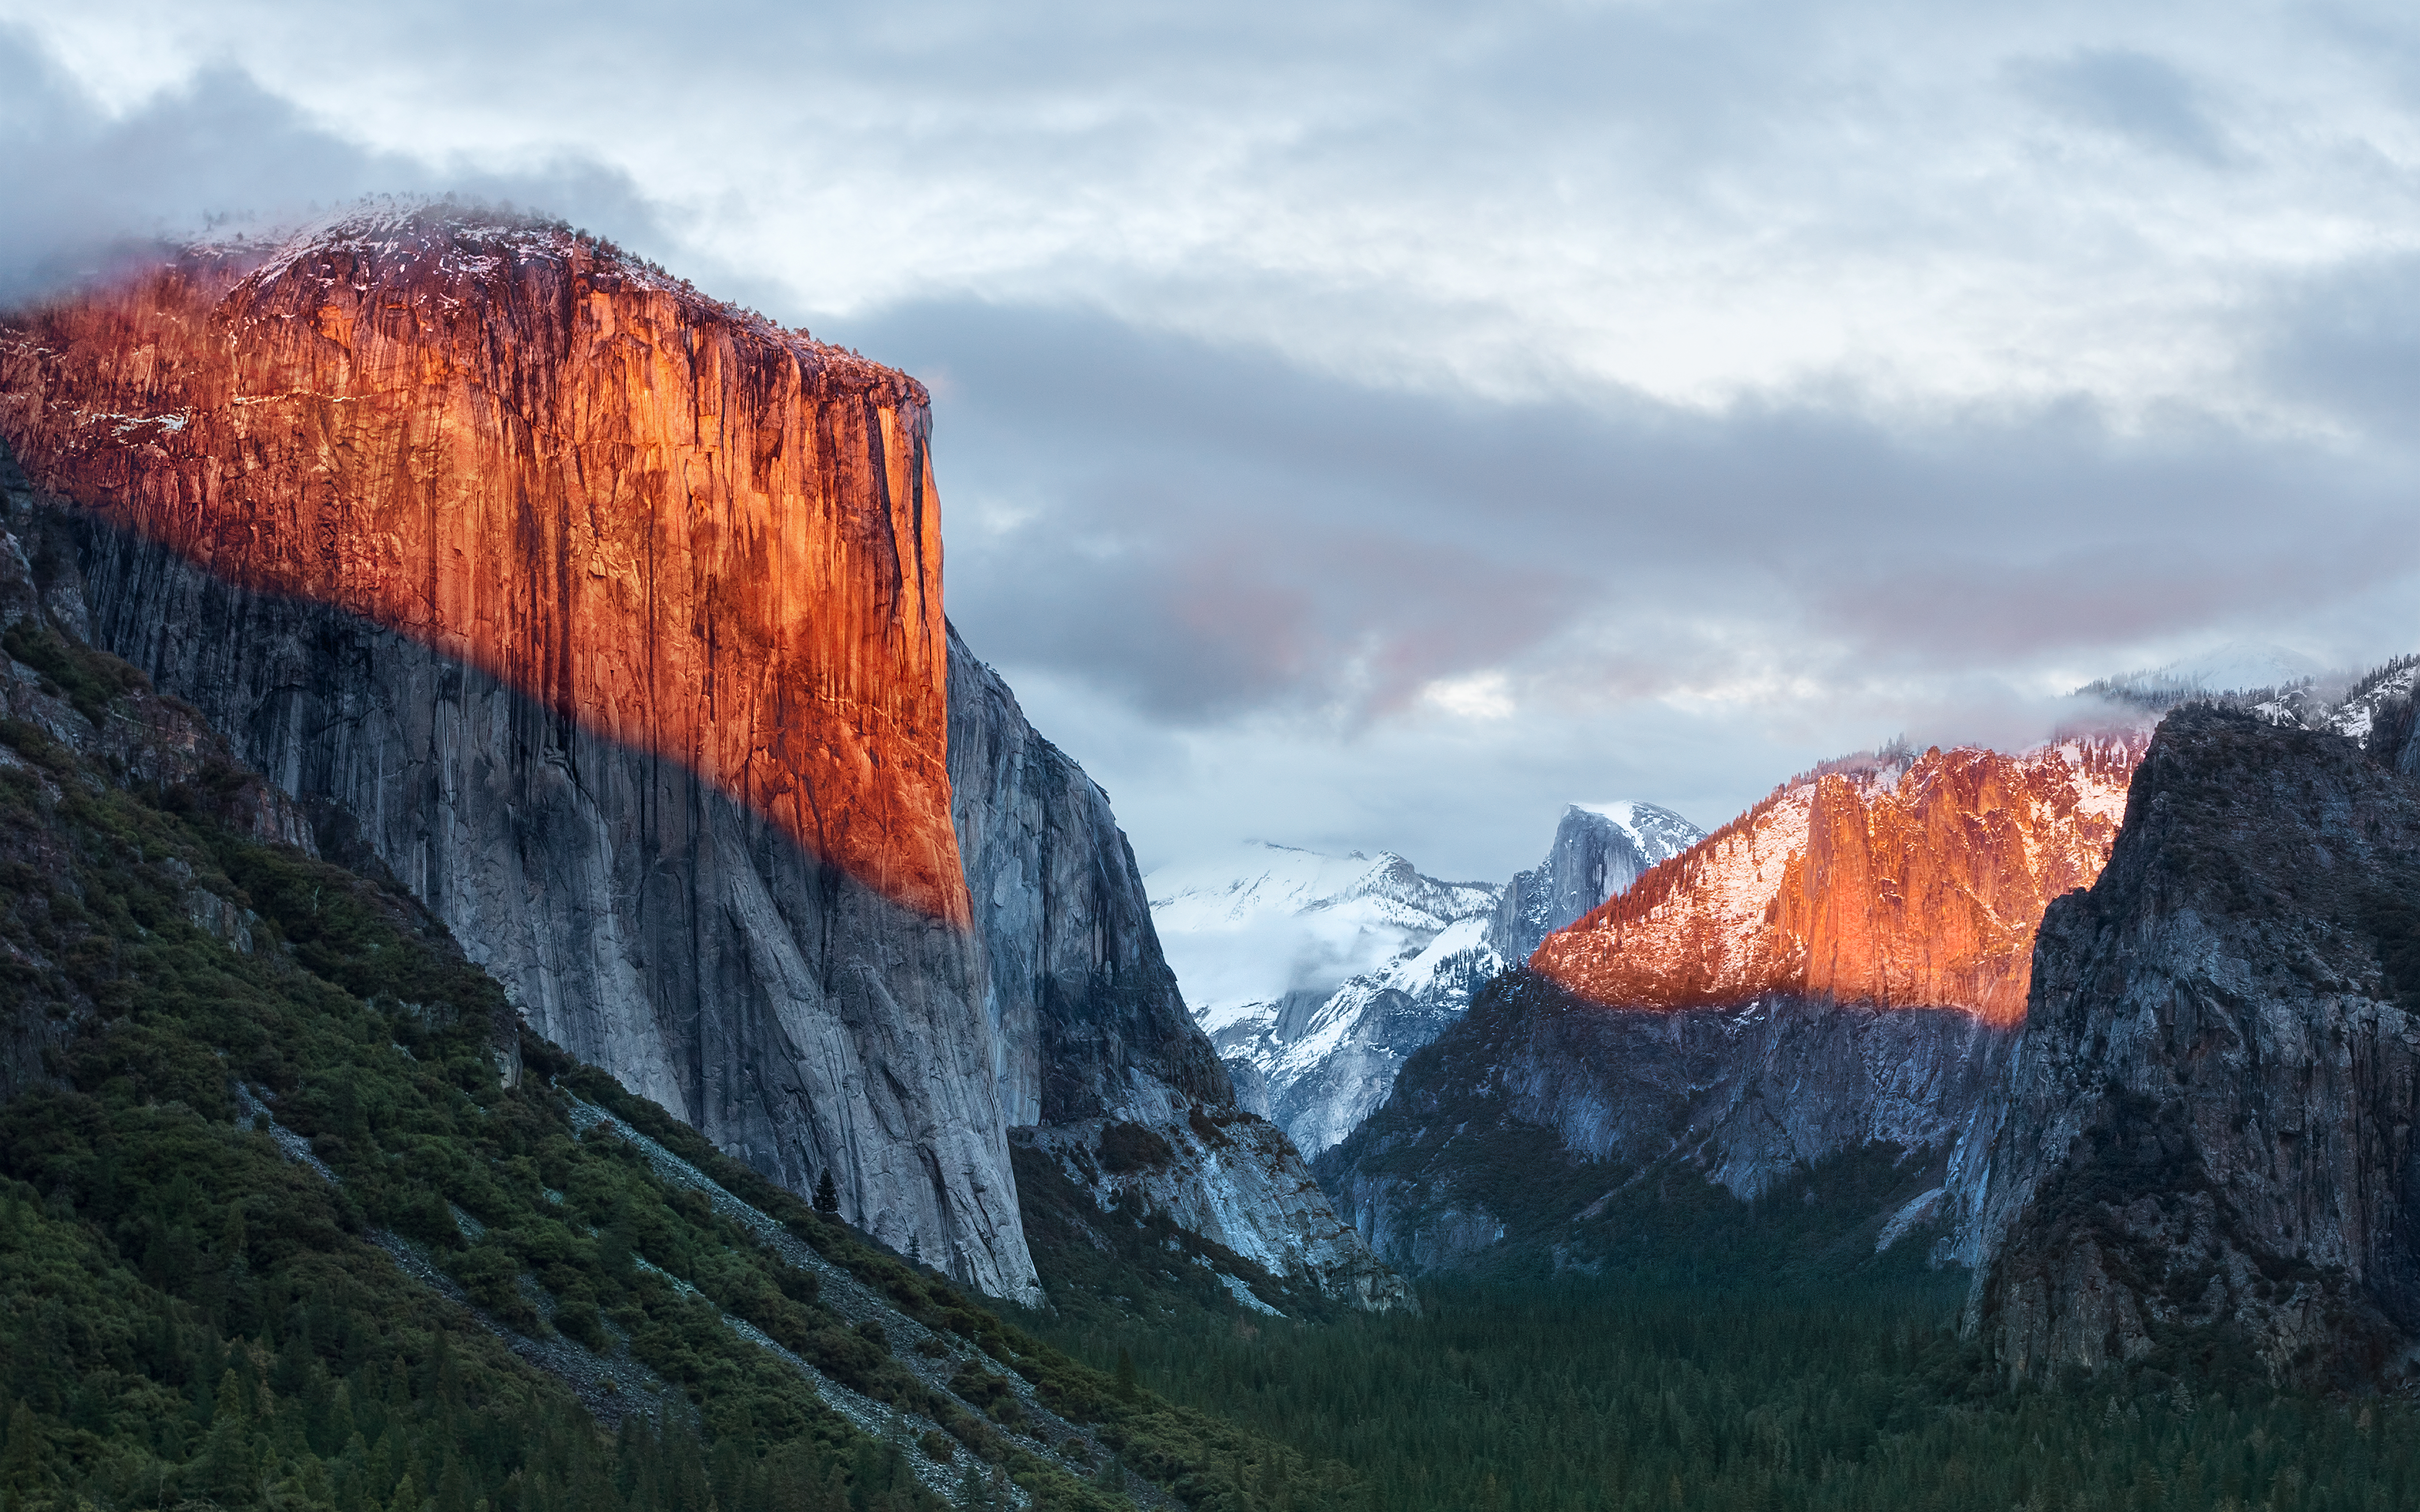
[(1315, 976)]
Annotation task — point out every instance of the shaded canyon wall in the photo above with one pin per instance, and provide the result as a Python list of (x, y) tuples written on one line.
[(1097, 1048)]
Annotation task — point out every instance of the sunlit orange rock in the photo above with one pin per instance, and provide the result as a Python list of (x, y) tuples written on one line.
[(694, 532), (1892, 883)]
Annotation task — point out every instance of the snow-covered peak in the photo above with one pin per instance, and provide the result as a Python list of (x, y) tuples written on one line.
[(1315, 976), (1247, 926), (1258, 879), (1658, 832)]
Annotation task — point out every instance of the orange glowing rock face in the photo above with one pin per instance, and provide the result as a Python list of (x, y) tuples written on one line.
[(1915, 885), (692, 532)]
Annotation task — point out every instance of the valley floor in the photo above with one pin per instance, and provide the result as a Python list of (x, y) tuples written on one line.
[(1629, 1393)]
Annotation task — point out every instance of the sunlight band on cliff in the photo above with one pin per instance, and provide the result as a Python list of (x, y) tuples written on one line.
[(662, 517), (1898, 881)]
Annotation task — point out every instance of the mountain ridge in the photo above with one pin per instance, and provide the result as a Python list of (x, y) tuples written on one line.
[(1315, 976)]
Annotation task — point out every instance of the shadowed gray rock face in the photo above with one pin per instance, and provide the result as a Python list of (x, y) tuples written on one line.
[(637, 917), (1091, 1032), (1089, 1018), (2209, 1109), (1745, 1098), (656, 927), (1596, 854)]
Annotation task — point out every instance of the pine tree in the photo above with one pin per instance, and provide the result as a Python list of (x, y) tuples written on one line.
[(827, 1196)]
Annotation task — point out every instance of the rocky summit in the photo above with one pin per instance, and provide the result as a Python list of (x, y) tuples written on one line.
[(1836, 972)]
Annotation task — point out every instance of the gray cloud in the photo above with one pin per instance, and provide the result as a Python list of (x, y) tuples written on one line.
[(1209, 533), (1713, 387), (2143, 99), (85, 187), (2346, 341)]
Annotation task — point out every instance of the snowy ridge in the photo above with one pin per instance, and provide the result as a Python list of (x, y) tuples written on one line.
[(2349, 709), (1245, 929), (2238, 667), (1316, 976), (456, 242)]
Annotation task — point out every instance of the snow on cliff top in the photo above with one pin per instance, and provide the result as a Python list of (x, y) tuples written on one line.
[(1658, 831), (472, 239)]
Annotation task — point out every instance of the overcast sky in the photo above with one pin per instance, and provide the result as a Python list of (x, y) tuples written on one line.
[(1374, 426)]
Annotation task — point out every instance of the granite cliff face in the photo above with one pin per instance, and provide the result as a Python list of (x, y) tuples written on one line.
[(1102, 1072), (699, 535), (1539, 1107), (608, 618), (1891, 881), (1598, 851), (1837, 971), (2207, 1123)]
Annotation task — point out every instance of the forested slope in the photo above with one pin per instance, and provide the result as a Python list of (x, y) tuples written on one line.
[(293, 1214)]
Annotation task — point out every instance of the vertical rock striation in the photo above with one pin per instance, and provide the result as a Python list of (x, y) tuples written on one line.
[(608, 618), (1100, 1068), (2207, 1121), (1888, 881)]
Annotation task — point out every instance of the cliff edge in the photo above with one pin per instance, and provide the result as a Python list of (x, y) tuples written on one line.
[(2208, 1127), (608, 618)]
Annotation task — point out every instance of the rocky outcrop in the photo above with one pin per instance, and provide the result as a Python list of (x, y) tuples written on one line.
[(699, 535), (1598, 850), (1896, 881), (1746, 1098), (2209, 1114), (1101, 1069), (608, 619), (1837, 971)]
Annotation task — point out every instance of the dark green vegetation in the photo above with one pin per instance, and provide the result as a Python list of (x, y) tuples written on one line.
[(188, 1316), (1621, 1393)]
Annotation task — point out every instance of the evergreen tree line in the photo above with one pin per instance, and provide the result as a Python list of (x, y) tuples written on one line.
[(1627, 1394)]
